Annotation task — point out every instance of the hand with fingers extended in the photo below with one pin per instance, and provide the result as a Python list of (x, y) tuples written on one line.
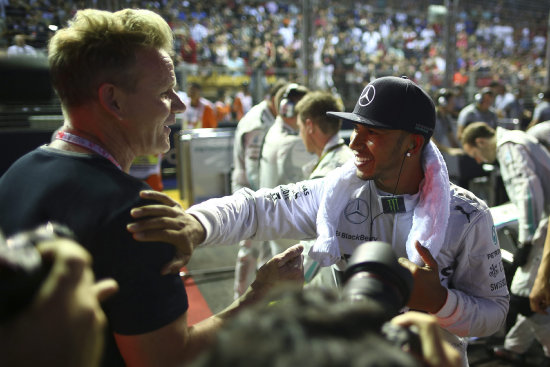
[(284, 268), (167, 222), (428, 294)]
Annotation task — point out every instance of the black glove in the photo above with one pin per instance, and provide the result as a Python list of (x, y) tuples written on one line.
[(522, 253)]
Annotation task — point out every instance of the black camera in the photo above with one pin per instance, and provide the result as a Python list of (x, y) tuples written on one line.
[(22, 269), (374, 277)]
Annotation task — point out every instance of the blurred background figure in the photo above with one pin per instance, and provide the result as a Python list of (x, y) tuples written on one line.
[(20, 47), (542, 109), (148, 169), (283, 152), (242, 103), (481, 109), (249, 138), (199, 112), (444, 135)]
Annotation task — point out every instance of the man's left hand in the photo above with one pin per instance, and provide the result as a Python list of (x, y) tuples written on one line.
[(428, 294)]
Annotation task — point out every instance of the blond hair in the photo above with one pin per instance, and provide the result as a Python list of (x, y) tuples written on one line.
[(100, 46), (315, 106)]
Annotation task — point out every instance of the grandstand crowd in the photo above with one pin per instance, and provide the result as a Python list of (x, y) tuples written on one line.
[(353, 41)]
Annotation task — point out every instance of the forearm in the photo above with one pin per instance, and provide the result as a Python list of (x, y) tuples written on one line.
[(465, 315)]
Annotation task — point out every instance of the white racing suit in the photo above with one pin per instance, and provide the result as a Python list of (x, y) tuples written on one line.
[(525, 166), (469, 262), (249, 137)]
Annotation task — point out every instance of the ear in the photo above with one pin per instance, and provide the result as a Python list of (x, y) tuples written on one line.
[(309, 126), (109, 98), (415, 144), (480, 142)]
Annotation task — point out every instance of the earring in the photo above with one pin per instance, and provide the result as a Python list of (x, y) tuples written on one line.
[(408, 154)]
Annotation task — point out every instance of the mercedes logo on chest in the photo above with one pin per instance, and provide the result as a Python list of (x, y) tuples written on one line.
[(367, 96), (356, 211)]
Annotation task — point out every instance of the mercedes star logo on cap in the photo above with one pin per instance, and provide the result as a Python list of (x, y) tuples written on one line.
[(367, 96)]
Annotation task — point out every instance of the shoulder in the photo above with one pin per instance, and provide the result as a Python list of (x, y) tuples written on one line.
[(466, 203)]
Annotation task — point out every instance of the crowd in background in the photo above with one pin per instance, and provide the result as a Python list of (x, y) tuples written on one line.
[(353, 41)]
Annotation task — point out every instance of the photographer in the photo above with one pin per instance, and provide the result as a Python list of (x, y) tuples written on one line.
[(314, 328), (64, 324), (395, 190)]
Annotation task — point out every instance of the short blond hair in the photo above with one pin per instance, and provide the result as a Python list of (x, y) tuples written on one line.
[(100, 46), (315, 106)]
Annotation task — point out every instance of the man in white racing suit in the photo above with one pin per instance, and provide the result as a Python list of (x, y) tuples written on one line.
[(524, 166), (395, 190), (249, 137)]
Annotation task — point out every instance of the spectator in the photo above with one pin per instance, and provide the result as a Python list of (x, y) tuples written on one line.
[(480, 110), (523, 165), (120, 108), (502, 97), (200, 111), (242, 103), (20, 48), (235, 63), (444, 135)]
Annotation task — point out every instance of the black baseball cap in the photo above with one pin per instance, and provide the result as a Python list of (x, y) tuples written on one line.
[(393, 103)]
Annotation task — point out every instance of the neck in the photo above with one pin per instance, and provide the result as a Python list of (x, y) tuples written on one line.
[(91, 129), (320, 143), (406, 182)]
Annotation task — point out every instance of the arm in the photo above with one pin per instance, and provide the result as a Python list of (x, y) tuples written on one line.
[(469, 269), (539, 297), (478, 299), (177, 343)]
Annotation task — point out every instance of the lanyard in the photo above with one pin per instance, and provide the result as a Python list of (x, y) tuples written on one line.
[(85, 143)]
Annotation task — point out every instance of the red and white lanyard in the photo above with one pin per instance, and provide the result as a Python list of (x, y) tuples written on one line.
[(85, 143)]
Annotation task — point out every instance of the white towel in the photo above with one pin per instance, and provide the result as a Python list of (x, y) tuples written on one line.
[(430, 216)]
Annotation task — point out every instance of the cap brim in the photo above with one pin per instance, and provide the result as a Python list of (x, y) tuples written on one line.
[(350, 116)]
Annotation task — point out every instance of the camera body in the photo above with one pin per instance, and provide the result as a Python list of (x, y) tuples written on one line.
[(374, 277), (22, 269)]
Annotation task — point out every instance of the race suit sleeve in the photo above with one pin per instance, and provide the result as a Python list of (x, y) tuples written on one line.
[(287, 211), (477, 301), (523, 186)]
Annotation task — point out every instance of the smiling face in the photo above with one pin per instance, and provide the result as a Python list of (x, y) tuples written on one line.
[(150, 108), (379, 154)]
